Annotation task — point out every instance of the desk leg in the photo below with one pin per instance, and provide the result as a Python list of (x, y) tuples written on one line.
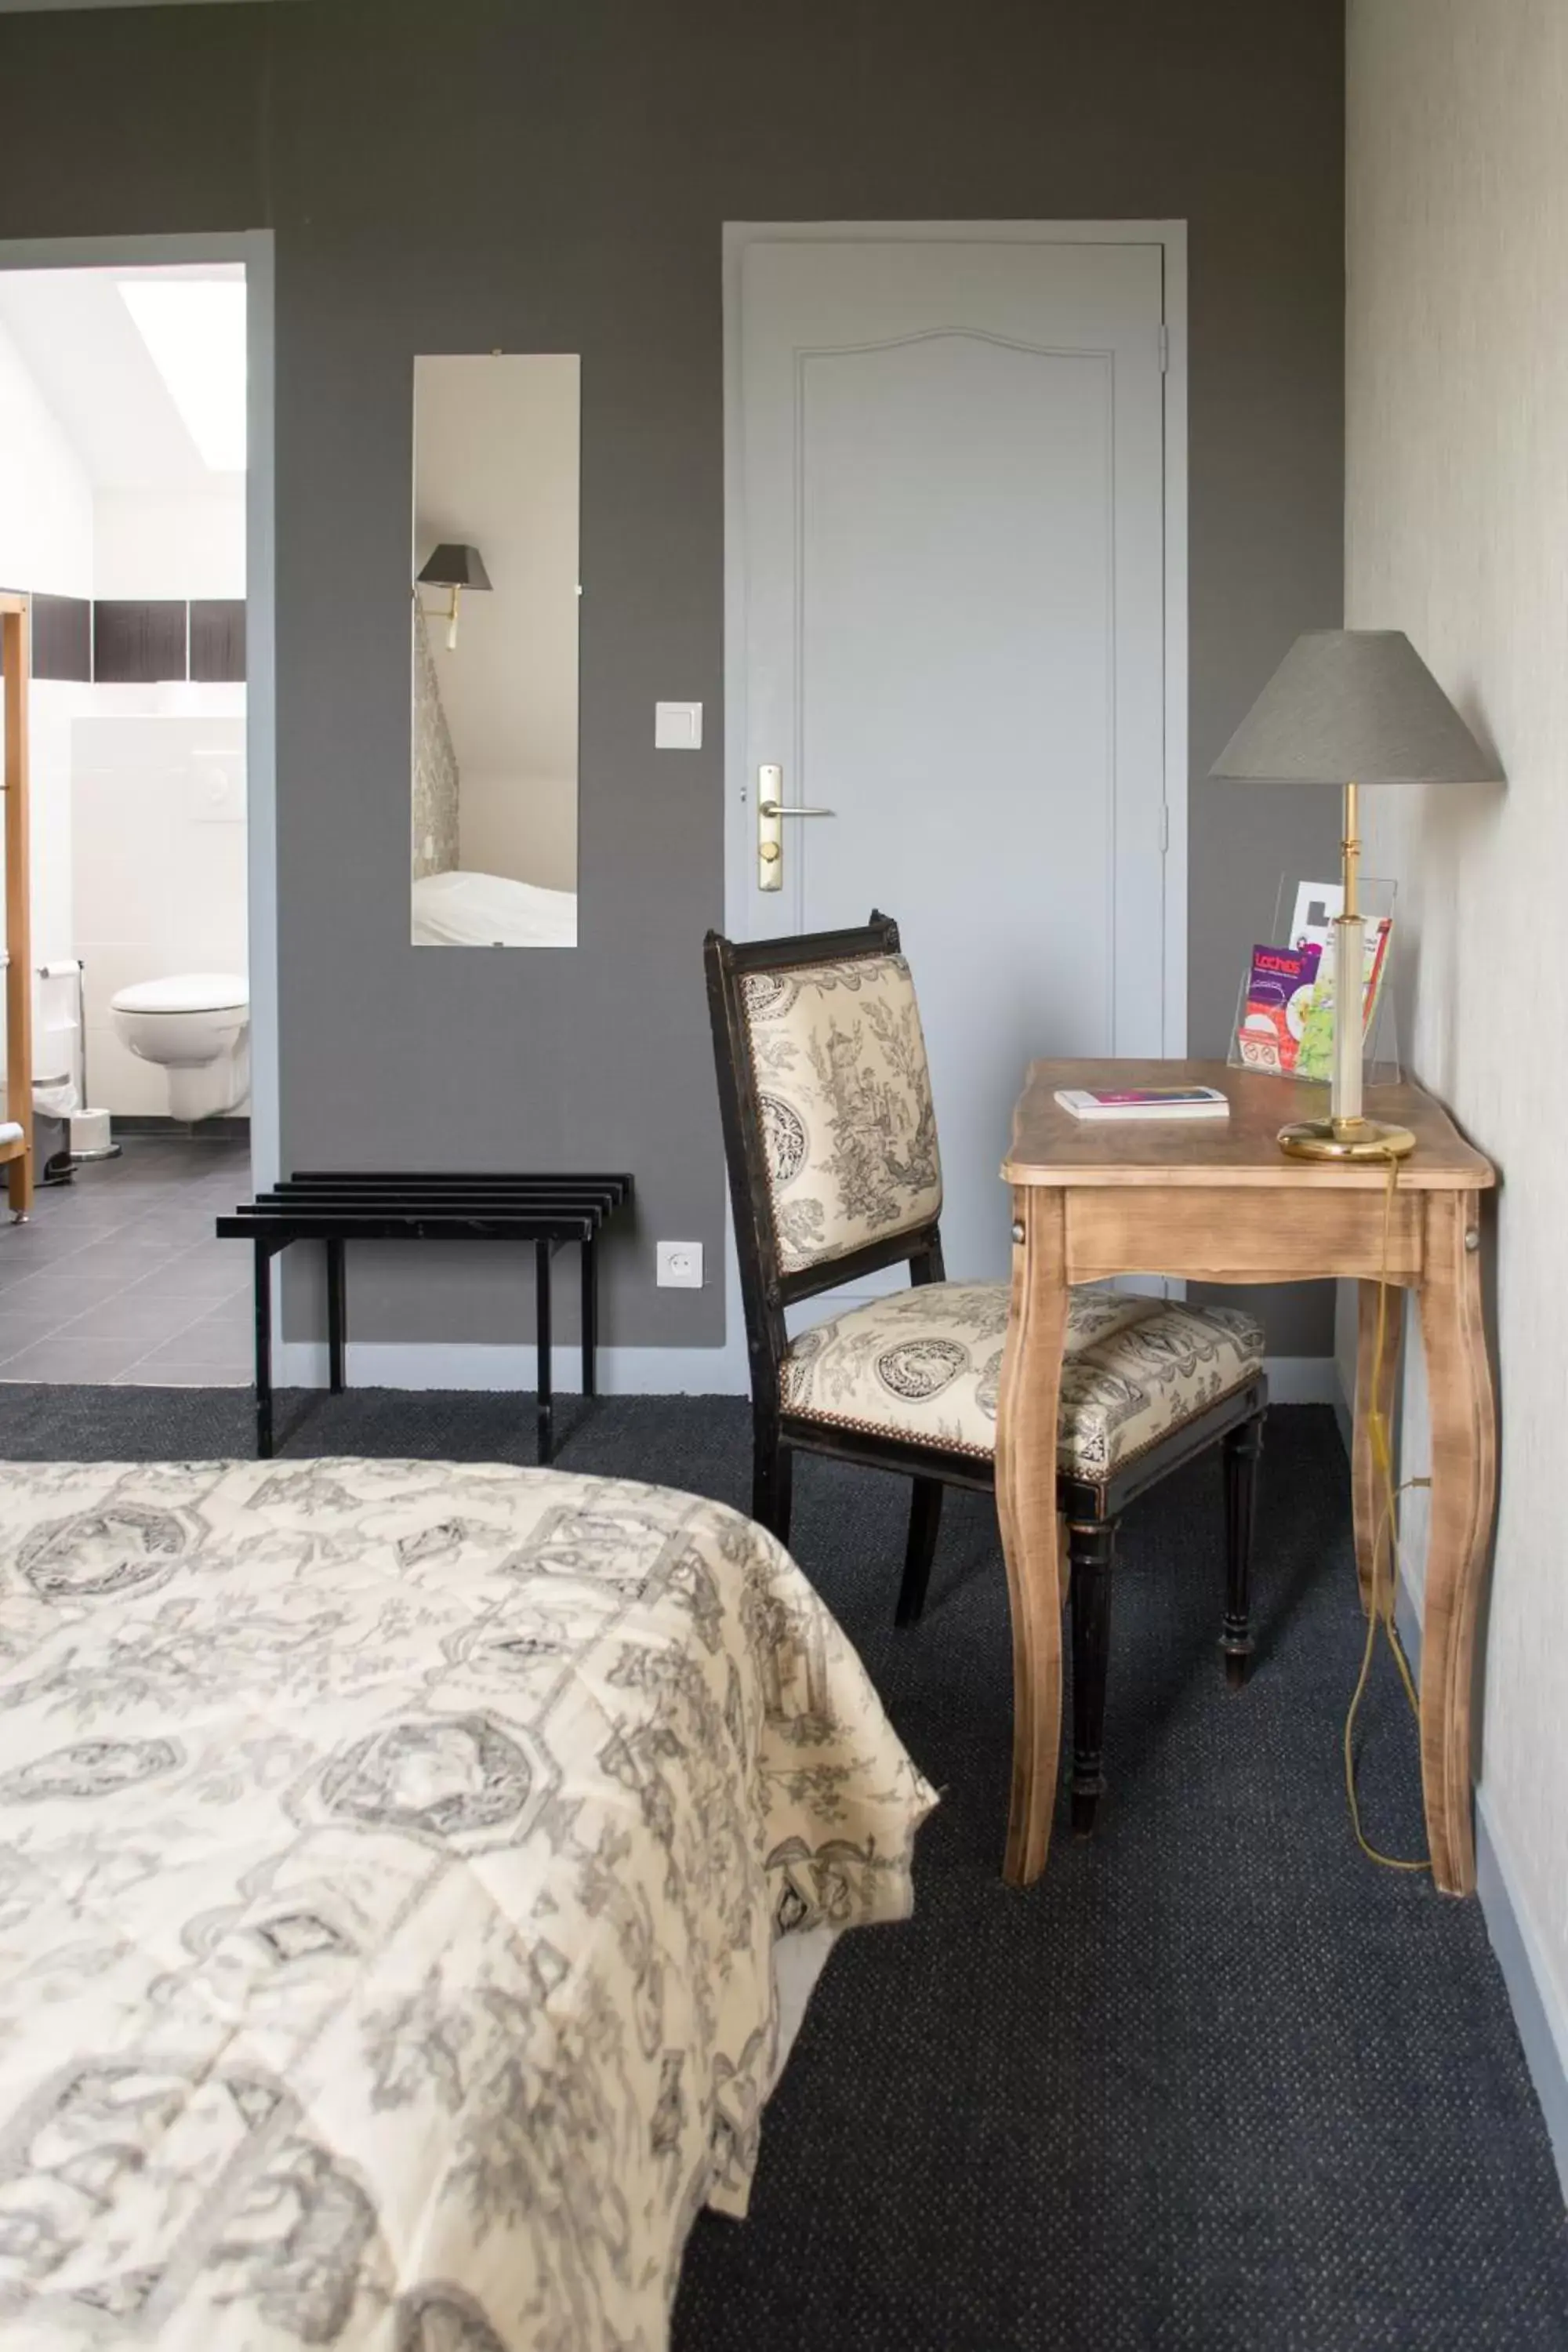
[(542, 1256), (1464, 1482), (1027, 1505), (337, 1316), (263, 1351), (1368, 1492)]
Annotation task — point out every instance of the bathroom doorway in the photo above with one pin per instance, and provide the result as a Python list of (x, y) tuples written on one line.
[(134, 397)]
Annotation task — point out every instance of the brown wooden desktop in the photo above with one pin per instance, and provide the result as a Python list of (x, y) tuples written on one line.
[(1216, 1200)]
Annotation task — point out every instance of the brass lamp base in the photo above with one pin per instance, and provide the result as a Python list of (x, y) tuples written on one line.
[(1345, 1139)]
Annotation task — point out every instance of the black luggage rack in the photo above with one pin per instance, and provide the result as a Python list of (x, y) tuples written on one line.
[(339, 1205)]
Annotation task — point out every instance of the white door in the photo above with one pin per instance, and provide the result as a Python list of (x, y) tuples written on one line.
[(950, 502)]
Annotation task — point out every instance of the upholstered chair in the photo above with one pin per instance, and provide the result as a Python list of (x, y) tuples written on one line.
[(835, 1173)]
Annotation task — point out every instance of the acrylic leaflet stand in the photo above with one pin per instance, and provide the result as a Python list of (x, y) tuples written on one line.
[(1381, 1066)]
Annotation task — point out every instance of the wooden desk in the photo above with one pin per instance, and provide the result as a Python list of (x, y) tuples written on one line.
[(1218, 1202)]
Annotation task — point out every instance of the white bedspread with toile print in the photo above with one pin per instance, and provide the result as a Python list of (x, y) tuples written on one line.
[(391, 1854)]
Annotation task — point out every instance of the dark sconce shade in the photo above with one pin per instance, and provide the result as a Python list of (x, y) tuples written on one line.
[(454, 566)]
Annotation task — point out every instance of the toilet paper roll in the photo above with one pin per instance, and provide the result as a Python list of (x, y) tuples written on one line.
[(89, 1131)]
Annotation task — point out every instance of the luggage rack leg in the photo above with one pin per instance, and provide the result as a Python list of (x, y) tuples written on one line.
[(337, 1317), (263, 1350), (590, 1316), (544, 1251)]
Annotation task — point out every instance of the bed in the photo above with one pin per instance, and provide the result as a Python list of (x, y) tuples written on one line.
[(489, 910), (391, 1859)]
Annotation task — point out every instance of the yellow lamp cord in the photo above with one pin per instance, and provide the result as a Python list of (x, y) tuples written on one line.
[(1381, 1611)]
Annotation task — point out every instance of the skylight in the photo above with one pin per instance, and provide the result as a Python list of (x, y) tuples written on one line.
[(194, 330)]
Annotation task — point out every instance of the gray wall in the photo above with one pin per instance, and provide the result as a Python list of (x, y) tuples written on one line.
[(479, 174)]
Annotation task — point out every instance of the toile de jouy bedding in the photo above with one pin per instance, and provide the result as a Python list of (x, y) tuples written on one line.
[(390, 1856)]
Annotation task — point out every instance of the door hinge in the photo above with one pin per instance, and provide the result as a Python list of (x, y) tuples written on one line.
[(1164, 347)]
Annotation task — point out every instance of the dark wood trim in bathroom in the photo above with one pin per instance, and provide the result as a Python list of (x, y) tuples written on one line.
[(217, 640), (130, 641), (62, 639), (139, 644)]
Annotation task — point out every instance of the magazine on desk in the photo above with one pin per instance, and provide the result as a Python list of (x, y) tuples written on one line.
[(1143, 1102)]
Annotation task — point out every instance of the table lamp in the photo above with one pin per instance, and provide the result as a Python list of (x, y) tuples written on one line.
[(1352, 707)]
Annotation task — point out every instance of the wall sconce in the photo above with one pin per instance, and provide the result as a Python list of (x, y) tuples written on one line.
[(454, 567)]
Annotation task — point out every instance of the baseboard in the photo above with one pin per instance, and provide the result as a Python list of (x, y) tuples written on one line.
[(1538, 2010), (625, 1371), (1301, 1380), (435, 1364), (1539, 2015)]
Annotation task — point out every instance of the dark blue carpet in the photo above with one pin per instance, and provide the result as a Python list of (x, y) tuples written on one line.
[(1216, 2084)]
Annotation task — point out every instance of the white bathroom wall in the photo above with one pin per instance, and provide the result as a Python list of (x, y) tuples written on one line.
[(160, 874), (46, 499), (46, 544), (179, 543)]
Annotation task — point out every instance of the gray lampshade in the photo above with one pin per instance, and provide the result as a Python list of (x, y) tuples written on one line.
[(1355, 706), (453, 565)]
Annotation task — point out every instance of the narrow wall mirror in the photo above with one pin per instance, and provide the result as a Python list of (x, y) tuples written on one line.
[(494, 833)]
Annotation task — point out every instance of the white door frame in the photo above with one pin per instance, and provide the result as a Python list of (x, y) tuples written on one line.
[(254, 249), (1170, 237)]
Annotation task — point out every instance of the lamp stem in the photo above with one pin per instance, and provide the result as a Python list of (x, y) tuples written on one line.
[(1345, 1109), (1350, 848)]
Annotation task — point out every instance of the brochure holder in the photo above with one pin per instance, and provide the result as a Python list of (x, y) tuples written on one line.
[(1304, 911)]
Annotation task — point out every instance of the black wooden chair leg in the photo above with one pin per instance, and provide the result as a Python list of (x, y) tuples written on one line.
[(773, 1467), (1241, 1449), (925, 1519), (1091, 1546)]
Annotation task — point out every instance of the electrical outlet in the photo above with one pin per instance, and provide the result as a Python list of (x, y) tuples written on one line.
[(678, 1265)]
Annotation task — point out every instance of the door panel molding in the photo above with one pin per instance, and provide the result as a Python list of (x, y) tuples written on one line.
[(1170, 236)]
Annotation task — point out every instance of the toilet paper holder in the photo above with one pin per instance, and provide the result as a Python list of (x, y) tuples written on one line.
[(62, 1165)]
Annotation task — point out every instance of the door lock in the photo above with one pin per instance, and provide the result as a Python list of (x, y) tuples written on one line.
[(771, 812)]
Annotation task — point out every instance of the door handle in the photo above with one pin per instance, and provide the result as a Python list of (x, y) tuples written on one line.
[(772, 811)]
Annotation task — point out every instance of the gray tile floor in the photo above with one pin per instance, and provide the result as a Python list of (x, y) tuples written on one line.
[(118, 1275)]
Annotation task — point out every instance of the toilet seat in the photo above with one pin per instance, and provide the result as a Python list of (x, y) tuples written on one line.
[(190, 992)]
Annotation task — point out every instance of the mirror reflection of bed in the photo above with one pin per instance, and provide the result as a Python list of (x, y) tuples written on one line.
[(494, 701), (489, 911)]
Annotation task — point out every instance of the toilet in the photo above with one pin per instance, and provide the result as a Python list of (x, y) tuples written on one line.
[(196, 1025)]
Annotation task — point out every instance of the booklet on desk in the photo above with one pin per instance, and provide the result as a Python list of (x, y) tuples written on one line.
[(1143, 1102)]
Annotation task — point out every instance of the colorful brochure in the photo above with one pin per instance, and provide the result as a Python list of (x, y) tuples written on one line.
[(1287, 1018)]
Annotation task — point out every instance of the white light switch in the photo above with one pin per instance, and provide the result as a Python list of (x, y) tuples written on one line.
[(678, 727)]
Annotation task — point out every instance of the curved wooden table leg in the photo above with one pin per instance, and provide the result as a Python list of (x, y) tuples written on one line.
[(1027, 1505), (1367, 1489), (1464, 1482)]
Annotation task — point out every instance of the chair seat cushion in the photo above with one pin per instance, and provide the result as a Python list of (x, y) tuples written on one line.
[(925, 1366)]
